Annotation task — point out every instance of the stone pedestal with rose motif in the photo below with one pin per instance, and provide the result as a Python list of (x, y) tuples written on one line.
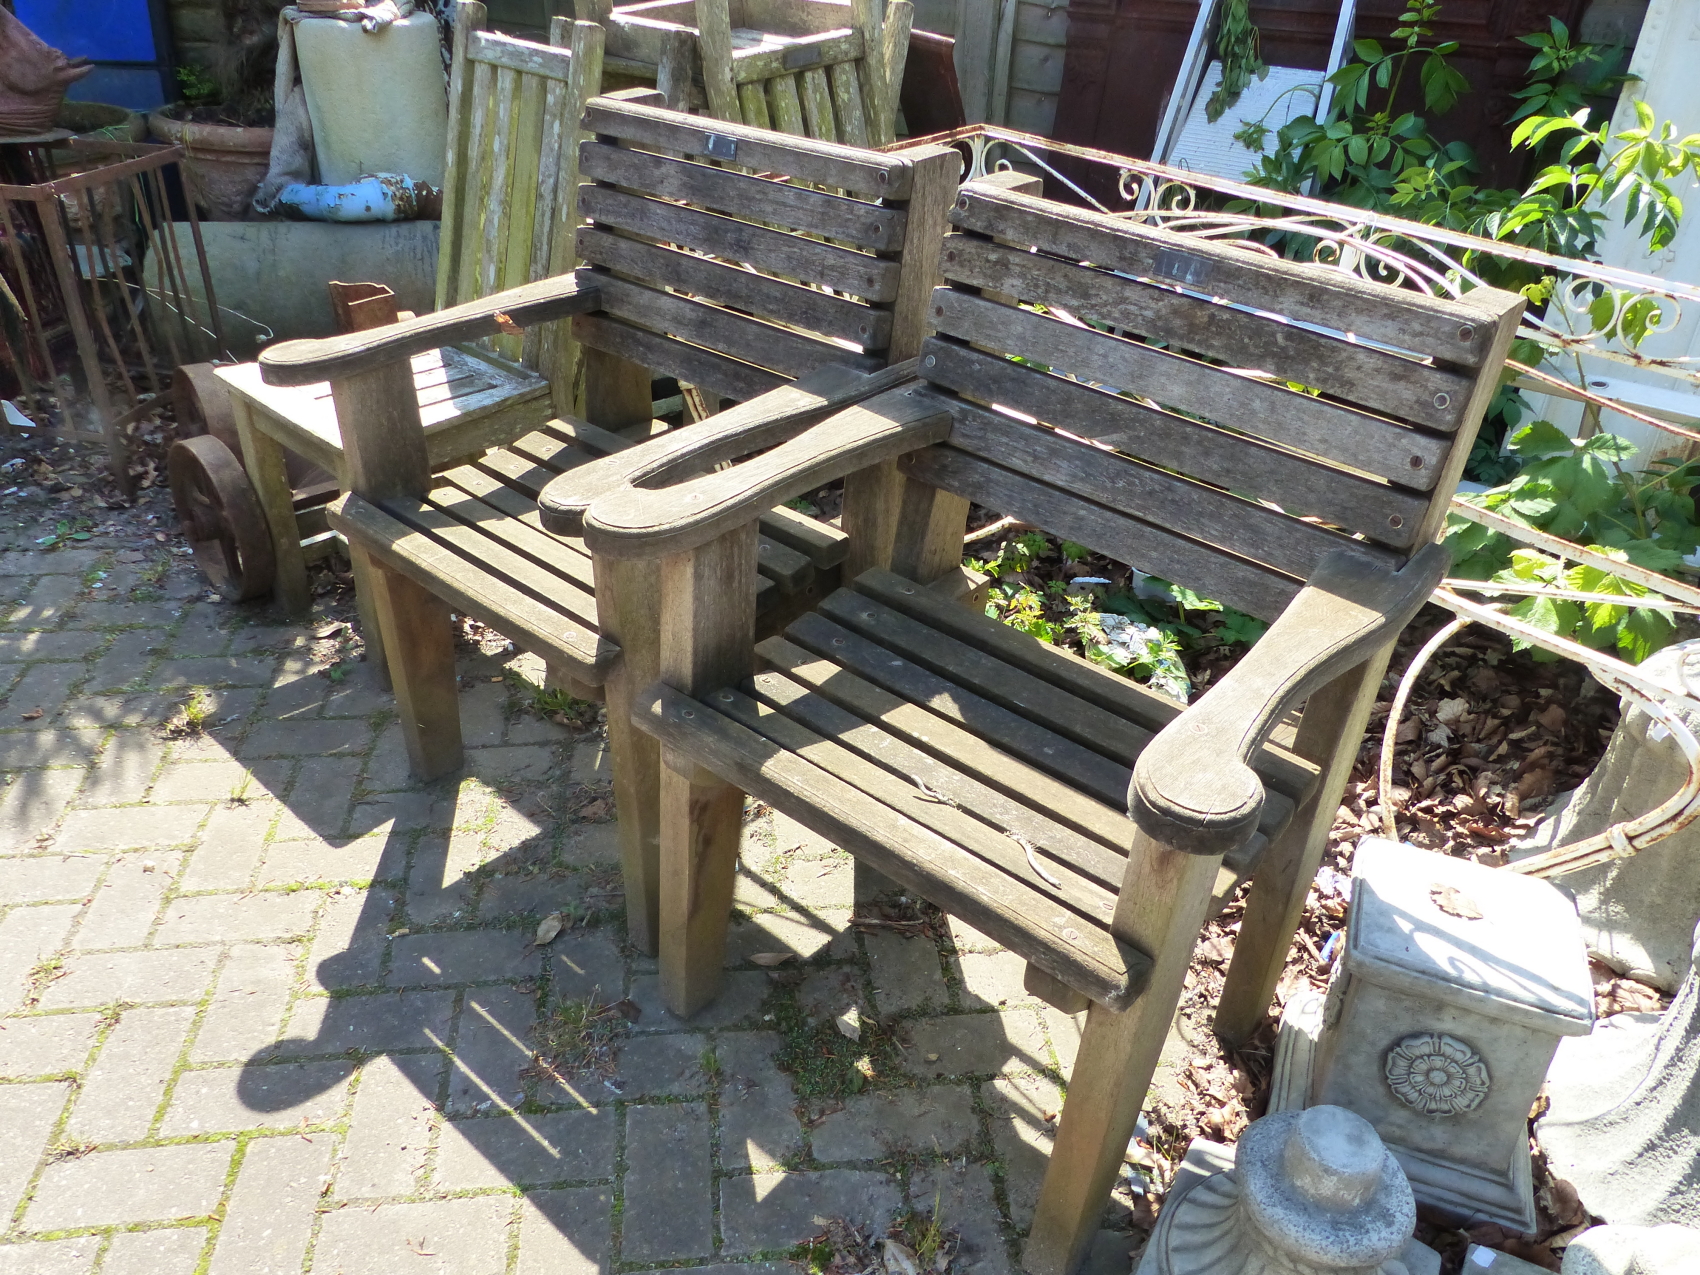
[(1454, 987)]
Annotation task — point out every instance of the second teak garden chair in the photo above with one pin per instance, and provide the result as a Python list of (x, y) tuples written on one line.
[(1128, 388)]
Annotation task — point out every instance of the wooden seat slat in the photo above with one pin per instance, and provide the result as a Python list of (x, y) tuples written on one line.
[(533, 625), (793, 303), (837, 681), (1082, 767), (498, 494), (912, 766), (1055, 711), (1457, 331), (1128, 699), (824, 544), (1288, 417), (1239, 462), (1086, 898), (792, 256), (875, 227), (545, 583), (1246, 586), (691, 364), (557, 553), (515, 470), (724, 331), (1383, 381), (999, 905), (1181, 504)]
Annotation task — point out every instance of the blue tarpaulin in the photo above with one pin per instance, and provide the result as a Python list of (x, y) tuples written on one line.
[(128, 39)]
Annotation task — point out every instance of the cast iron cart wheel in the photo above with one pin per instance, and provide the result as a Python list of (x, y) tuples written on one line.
[(220, 516), (203, 405)]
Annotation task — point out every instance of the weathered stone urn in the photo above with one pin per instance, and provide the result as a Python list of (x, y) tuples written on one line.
[(1455, 985), (1303, 1193)]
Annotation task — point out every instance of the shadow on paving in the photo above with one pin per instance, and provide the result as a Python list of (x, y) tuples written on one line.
[(705, 1142)]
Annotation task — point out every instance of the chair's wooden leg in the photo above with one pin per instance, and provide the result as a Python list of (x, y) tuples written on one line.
[(556, 678), (421, 650), (262, 457), (365, 602), (1330, 731), (1162, 906), (701, 820), (628, 603), (707, 644)]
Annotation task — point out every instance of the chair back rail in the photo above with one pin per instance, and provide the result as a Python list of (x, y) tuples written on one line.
[(1205, 412), (510, 197), (791, 257)]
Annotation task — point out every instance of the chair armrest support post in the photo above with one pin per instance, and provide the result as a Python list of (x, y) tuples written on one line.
[(1192, 788), (309, 362)]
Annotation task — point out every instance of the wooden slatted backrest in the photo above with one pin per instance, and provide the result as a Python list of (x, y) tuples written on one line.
[(738, 259), (510, 198), (1179, 444), (826, 69)]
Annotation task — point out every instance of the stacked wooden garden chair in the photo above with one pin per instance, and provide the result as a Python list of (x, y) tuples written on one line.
[(827, 69), (1072, 815), (734, 259)]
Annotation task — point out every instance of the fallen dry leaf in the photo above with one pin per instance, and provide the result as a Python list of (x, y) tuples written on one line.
[(1454, 902), (771, 958), (627, 1009), (547, 929), (32, 714), (849, 1023)]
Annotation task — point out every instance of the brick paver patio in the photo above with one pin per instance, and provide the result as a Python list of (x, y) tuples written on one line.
[(266, 1006)]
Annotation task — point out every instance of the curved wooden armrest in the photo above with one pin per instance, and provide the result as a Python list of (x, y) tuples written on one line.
[(308, 362), (634, 522), (1192, 788), (684, 453)]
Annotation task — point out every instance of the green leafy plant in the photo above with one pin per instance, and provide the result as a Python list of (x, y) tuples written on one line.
[(64, 532), (1237, 44), (1359, 152), (1581, 490), (198, 86)]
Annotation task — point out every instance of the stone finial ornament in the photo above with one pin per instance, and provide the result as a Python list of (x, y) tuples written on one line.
[(1312, 1192)]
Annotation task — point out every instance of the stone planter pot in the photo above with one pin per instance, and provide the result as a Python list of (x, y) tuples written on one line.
[(96, 121), (224, 163)]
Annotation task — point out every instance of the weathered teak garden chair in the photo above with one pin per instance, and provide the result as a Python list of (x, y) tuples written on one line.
[(732, 282), (827, 69), (1072, 815), (509, 216)]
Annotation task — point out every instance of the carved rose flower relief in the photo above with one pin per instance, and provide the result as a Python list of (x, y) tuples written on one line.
[(1437, 1074)]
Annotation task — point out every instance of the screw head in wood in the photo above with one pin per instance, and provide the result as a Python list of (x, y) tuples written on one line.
[(963, 203), (1466, 333), (876, 229), (1416, 462), (726, 696), (1443, 400), (838, 641), (689, 712), (882, 176), (1395, 520), (932, 360)]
